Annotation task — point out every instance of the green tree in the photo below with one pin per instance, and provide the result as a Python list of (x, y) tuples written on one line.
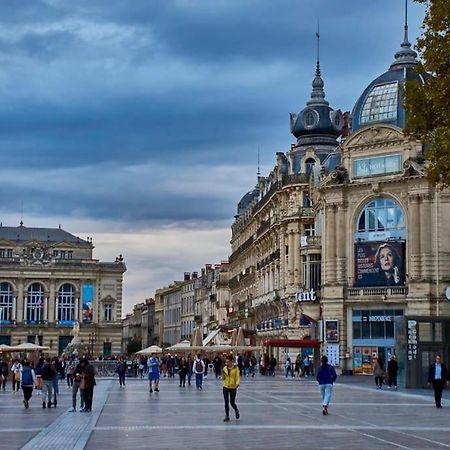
[(428, 105), (133, 346)]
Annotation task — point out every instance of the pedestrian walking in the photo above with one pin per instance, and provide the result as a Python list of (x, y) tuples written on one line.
[(27, 381), (4, 371), (199, 369), (89, 383), (253, 363), (307, 366), (326, 376), (379, 373), (38, 372), (48, 374), (230, 380), (190, 363), (288, 368), (437, 376), (153, 372), (70, 370), (272, 365), (121, 370), (182, 371), (16, 368), (78, 385), (298, 365), (217, 363), (392, 371)]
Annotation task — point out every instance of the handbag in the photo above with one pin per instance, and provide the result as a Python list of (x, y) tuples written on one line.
[(16, 376)]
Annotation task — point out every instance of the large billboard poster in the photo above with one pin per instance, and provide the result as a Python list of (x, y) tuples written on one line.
[(380, 264), (88, 299)]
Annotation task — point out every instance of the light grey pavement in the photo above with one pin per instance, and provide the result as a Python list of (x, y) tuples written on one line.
[(275, 414)]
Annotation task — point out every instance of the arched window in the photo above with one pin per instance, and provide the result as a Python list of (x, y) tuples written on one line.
[(379, 220), (6, 303), (66, 303), (309, 164), (35, 303)]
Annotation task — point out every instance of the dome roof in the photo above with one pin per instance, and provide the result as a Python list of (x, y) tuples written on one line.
[(247, 200), (382, 100), (317, 122)]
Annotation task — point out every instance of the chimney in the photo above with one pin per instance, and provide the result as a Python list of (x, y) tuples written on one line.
[(208, 267), (203, 272), (194, 275), (187, 276)]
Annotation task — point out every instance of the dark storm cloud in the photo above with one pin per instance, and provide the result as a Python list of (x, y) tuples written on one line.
[(170, 84)]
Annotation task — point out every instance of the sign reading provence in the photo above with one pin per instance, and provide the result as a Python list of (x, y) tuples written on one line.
[(306, 296)]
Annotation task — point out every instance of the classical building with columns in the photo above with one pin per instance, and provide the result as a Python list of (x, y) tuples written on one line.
[(386, 235), (48, 281)]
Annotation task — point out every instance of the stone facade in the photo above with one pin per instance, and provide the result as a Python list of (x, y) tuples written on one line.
[(48, 281)]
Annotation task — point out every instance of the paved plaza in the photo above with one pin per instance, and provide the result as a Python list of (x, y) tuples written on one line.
[(275, 414)]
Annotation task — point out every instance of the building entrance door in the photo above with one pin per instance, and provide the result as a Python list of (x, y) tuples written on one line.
[(63, 343)]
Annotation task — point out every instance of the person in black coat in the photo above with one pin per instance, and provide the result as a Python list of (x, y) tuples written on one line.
[(392, 369), (437, 376)]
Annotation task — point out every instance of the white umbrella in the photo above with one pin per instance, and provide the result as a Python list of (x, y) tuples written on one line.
[(5, 348), (184, 346), (28, 347), (150, 350)]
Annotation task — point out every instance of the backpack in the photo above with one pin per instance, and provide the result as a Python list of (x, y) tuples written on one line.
[(199, 366), (27, 377)]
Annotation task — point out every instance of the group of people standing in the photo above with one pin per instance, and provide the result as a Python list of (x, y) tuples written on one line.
[(44, 377)]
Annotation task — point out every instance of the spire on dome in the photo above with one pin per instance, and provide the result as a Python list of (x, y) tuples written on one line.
[(406, 56), (317, 94)]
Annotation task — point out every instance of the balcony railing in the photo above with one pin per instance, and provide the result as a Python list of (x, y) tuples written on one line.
[(377, 291)]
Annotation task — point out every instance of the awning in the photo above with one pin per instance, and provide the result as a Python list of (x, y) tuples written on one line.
[(210, 336), (294, 343)]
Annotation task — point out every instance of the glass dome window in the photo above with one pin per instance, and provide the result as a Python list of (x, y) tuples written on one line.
[(381, 103)]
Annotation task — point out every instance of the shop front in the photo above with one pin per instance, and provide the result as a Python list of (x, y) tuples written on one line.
[(374, 336)]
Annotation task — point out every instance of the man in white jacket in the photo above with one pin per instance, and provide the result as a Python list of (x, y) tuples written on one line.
[(199, 369)]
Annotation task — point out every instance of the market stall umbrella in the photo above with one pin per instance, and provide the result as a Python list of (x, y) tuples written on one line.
[(5, 348), (245, 348), (184, 346), (27, 347), (150, 350), (219, 348)]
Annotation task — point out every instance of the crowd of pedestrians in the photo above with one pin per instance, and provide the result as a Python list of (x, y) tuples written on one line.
[(43, 378)]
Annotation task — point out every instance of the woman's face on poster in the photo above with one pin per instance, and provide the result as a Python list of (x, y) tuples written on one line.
[(386, 259)]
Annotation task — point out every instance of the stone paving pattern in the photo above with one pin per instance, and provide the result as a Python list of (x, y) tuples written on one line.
[(275, 414)]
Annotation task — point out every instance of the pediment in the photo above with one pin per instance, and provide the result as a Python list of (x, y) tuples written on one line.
[(374, 136), (108, 299), (64, 245)]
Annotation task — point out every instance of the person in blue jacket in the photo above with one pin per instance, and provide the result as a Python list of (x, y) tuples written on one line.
[(326, 376)]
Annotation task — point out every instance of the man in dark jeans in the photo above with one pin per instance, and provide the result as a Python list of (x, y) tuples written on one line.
[(89, 380), (272, 366), (437, 376), (121, 371)]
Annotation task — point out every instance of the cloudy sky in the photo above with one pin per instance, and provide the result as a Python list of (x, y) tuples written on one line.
[(138, 122)]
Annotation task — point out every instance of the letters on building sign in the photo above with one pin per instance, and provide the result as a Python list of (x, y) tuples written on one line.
[(306, 296)]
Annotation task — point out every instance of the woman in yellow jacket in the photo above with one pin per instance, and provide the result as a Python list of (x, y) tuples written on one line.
[(230, 381)]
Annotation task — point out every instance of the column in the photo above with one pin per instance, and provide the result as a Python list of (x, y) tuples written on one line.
[(340, 245), (425, 238), (20, 303), (414, 237), (330, 269), (297, 258), (52, 309), (291, 257), (14, 309)]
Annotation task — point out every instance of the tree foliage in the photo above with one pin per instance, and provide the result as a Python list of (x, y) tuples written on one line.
[(133, 346), (428, 105)]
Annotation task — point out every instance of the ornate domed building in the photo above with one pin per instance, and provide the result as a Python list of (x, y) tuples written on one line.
[(386, 264)]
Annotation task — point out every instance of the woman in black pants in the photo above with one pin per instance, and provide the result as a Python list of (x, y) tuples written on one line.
[(182, 371)]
